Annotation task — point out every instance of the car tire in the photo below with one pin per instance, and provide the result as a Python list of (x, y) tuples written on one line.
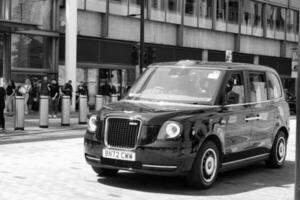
[(105, 172), (205, 168), (278, 152)]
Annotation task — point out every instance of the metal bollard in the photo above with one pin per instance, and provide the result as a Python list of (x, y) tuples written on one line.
[(19, 115), (99, 102), (44, 111), (114, 98), (65, 111), (82, 109)]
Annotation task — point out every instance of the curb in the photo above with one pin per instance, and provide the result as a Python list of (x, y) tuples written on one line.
[(43, 136)]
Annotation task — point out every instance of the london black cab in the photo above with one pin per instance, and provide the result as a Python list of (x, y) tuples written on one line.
[(194, 119)]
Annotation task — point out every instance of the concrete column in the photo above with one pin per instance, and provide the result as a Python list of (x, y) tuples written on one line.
[(256, 60), (205, 55), (71, 46)]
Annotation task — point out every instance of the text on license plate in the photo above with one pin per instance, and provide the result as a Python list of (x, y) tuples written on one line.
[(119, 155)]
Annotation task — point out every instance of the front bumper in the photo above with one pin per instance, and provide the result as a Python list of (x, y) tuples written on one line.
[(167, 158)]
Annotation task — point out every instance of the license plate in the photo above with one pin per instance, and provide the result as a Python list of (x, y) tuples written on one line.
[(118, 154)]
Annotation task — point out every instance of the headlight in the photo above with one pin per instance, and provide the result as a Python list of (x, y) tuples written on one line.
[(92, 123), (170, 130)]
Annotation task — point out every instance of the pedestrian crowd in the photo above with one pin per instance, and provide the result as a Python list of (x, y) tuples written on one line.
[(31, 90)]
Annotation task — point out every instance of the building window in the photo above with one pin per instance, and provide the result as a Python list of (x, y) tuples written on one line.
[(258, 14), (233, 16), (190, 13), (221, 15), (174, 11), (296, 21), (233, 11), (190, 7), (118, 7), (96, 5), (32, 11), (271, 19), (280, 23), (205, 10), (29, 51), (221, 10), (205, 13), (257, 19), (158, 10), (135, 7), (280, 19)]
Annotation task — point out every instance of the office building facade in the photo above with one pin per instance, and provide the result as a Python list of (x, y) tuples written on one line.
[(256, 31), (29, 37)]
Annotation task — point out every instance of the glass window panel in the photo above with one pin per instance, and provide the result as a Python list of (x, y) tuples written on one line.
[(233, 11), (280, 23), (118, 7), (2, 9), (205, 13), (32, 11), (296, 21), (96, 5), (233, 16), (158, 10), (29, 51), (190, 13), (173, 11), (274, 89), (271, 19), (135, 7), (258, 89), (221, 15), (257, 19), (247, 17)]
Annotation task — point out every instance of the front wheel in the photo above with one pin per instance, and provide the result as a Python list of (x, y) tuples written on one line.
[(278, 152), (105, 172), (205, 168)]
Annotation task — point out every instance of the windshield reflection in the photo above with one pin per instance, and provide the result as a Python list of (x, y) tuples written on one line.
[(180, 84)]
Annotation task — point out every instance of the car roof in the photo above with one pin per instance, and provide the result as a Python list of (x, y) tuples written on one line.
[(214, 65)]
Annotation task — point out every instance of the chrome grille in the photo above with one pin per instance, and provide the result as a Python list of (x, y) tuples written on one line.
[(122, 132)]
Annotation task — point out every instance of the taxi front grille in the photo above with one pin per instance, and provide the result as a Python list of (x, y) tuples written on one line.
[(122, 132)]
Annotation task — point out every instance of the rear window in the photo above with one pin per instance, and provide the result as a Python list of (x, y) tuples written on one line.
[(274, 87), (258, 89)]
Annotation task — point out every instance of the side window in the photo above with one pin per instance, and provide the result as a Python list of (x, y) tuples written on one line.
[(235, 89), (258, 86), (274, 88)]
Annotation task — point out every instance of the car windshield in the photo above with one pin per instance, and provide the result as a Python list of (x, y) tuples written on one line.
[(180, 84)]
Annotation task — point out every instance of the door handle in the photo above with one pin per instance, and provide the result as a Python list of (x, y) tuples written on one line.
[(252, 118)]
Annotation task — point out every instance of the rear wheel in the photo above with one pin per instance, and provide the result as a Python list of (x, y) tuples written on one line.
[(105, 172), (278, 152), (205, 168)]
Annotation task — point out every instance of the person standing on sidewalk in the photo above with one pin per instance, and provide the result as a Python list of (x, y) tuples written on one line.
[(2, 104), (54, 94), (45, 88), (26, 90), (68, 90), (10, 93)]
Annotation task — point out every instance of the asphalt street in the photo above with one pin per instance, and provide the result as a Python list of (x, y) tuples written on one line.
[(56, 170)]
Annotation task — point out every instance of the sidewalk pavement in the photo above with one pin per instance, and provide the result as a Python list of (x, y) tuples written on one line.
[(32, 131)]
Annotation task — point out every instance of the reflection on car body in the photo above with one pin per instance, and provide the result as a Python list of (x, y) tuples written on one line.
[(192, 118), (291, 100)]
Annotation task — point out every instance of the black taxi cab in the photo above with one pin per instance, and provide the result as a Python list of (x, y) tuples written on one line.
[(192, 118)]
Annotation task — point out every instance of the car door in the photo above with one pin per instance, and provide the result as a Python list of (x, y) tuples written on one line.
[(238, 130), (263, 112)]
